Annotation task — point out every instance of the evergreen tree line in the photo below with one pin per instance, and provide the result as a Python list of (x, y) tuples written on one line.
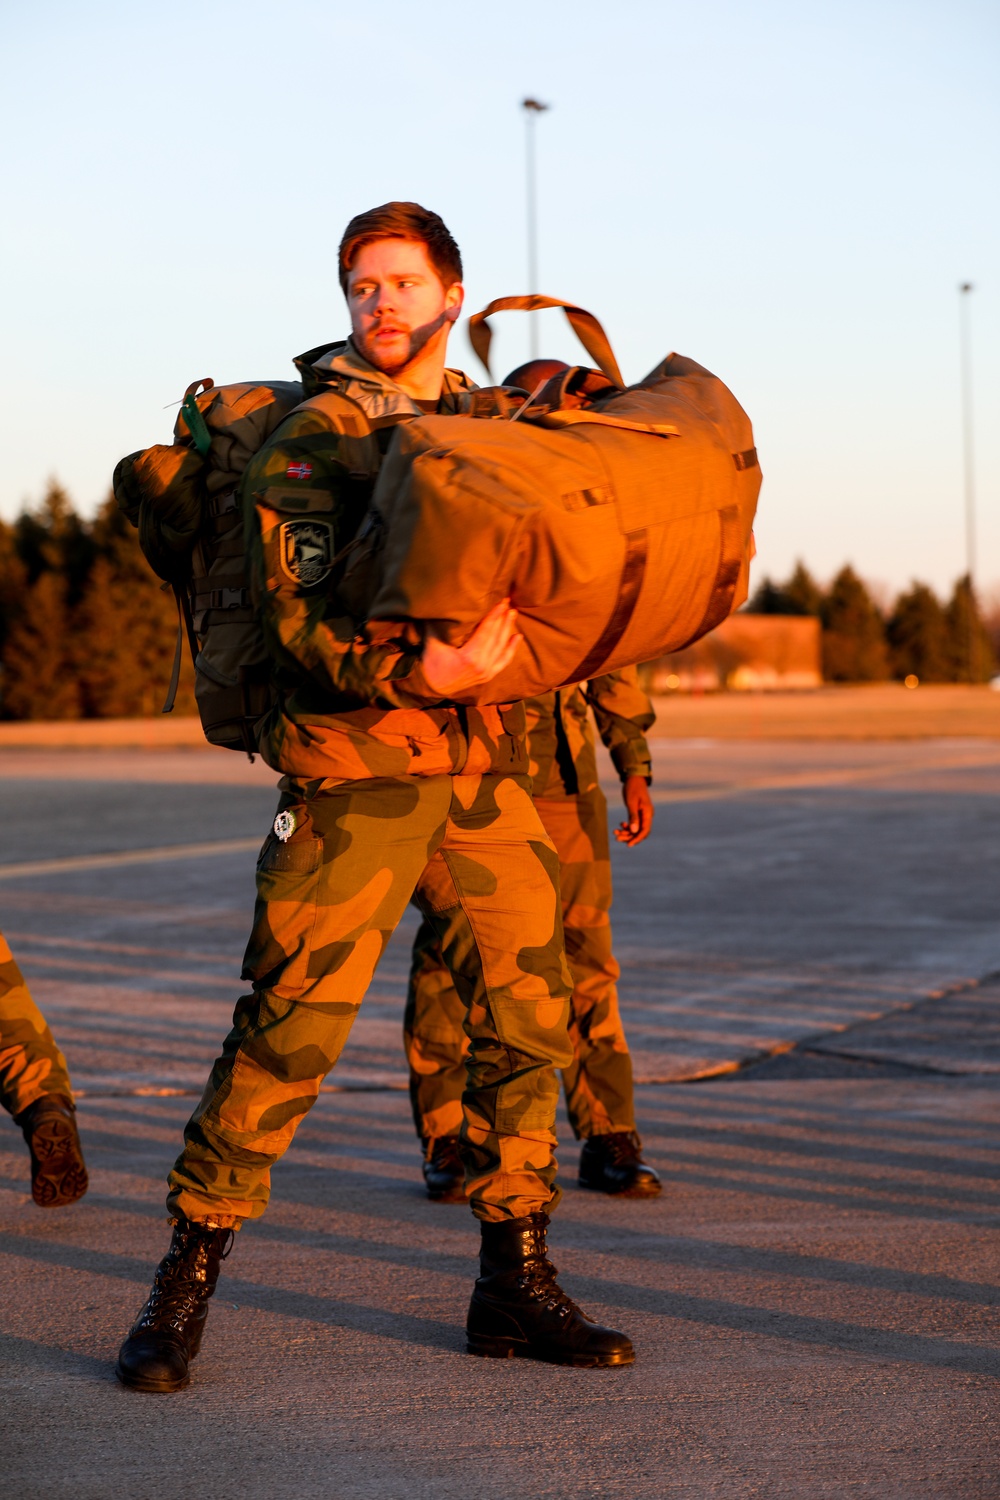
[(86, 630), (919, 636)]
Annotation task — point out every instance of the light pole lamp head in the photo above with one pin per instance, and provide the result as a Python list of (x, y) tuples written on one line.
[(535, 105), (966, 286)]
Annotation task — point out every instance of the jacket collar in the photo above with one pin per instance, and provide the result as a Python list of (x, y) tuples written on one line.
[(378, 396)]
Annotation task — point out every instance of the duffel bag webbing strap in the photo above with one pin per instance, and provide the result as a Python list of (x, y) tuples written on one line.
[(586, 327), (633, 571), (720, 601)]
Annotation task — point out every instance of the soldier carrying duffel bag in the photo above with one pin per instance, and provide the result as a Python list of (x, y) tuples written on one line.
[(376, 790)]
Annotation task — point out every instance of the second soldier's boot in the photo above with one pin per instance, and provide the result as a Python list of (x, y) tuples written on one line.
[(58, 1172), (166, 1335), (613, 1164), (519, 1309), (444, 1173)]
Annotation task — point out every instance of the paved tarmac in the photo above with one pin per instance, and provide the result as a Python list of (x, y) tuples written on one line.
[(814, 1297)]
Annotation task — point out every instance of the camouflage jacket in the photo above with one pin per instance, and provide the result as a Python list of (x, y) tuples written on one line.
[(352, 700), (561, 739)]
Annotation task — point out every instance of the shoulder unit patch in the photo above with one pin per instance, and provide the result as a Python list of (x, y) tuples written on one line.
[(307, 551)]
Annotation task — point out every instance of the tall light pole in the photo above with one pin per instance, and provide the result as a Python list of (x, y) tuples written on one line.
[(965, 288), (532, 109), (965, 342)]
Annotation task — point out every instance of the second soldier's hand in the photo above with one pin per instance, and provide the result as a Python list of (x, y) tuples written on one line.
[(489, 649), (639, 808)]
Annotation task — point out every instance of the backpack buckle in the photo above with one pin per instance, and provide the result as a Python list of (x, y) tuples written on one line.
[(221, 505), (229, 598)]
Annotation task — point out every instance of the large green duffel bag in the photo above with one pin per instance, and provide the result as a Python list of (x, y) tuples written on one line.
[(620, 529)]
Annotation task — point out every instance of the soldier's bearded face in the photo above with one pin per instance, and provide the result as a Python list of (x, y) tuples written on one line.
[(399, 306)]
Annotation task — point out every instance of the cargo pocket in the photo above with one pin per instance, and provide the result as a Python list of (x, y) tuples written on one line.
[(278, 954), (296, 857)]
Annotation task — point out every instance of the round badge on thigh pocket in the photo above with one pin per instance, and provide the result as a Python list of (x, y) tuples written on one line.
[(284, 825)]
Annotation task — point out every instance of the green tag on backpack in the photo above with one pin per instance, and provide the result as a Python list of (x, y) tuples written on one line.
[(197, 426)]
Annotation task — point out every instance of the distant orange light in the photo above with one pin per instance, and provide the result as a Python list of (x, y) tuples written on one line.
[(911, 680), (673, 681)]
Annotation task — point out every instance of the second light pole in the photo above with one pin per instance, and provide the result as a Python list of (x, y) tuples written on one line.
[(968, 466), (532, 109)]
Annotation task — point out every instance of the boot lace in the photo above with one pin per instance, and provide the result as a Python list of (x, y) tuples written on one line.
[(621, 1149), (182, 1281), (442, 1154), (537, 1277)]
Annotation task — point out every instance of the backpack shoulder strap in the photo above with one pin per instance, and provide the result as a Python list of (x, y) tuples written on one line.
[(345, 415), (349, 420)]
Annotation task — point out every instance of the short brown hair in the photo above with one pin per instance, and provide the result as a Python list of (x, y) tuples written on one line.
[(402, 221)]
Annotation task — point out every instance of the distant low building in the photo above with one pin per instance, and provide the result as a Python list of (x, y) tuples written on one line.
[(746, 653)]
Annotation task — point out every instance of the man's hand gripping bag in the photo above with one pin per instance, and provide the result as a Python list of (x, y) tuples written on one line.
[(620, 529)]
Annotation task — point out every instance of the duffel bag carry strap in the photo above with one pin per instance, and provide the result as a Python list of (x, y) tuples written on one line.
[(586, 327)]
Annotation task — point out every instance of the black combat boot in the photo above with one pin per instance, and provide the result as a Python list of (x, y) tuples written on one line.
[(166, 1335), (518, 1307), (443, 1170), (58, 1173), (613, 1164)]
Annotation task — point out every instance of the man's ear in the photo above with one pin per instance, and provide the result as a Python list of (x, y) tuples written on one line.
[(453, 299)]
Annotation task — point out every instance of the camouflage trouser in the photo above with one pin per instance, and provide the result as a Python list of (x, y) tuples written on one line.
[(486, 877), (30, 1062), (598, 1081)]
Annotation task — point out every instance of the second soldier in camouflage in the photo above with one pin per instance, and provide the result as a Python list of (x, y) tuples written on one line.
[(574, 812)]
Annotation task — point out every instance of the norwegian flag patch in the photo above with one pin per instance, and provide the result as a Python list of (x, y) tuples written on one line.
[(299, 470)]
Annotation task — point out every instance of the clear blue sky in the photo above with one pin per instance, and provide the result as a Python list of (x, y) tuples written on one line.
[(787, 192)]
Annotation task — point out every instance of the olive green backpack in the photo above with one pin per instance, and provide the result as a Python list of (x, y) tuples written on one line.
[(184, 499)]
